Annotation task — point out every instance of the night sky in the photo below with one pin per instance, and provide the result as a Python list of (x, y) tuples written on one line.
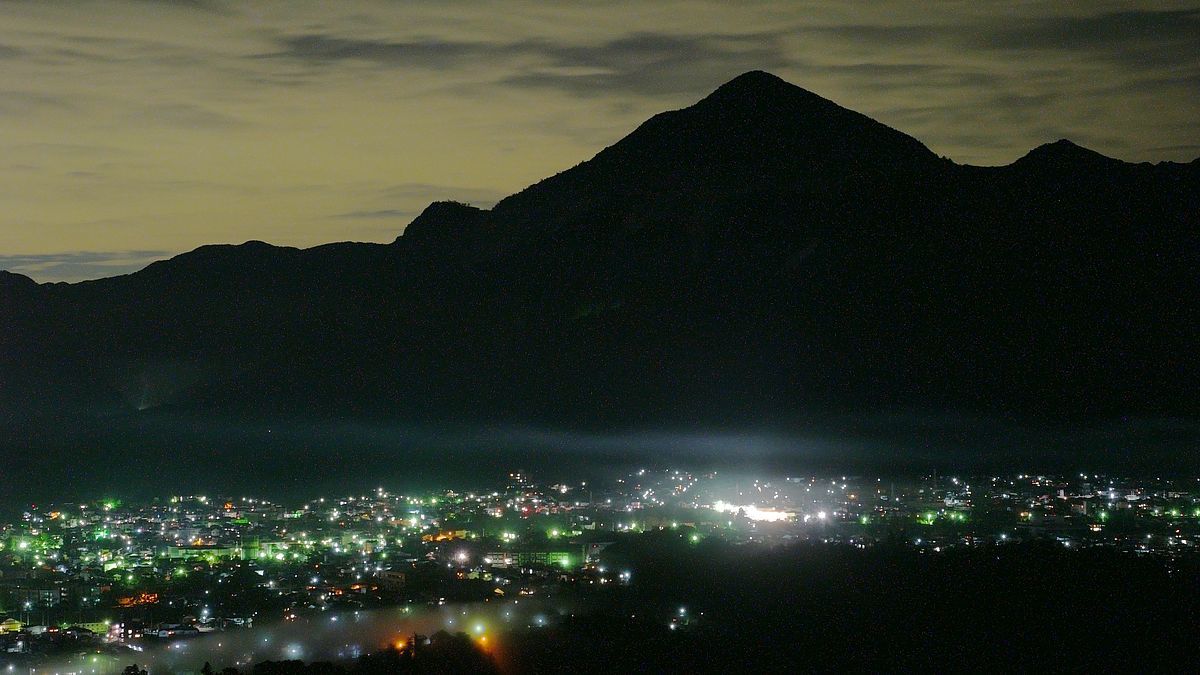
[(131, 131)]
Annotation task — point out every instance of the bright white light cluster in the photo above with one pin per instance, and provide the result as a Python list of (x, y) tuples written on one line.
[(753, 512)]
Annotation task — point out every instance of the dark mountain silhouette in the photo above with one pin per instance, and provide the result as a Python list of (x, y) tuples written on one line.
[(756, 254), (1064, 155)]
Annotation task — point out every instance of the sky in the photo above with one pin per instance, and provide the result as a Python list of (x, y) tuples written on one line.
[(132, 130)]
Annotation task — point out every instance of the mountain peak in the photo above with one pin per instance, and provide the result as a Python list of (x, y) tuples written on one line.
[(441, 220), (755, 130), (760, 90), (1062, 154), (756, 81), (14, 280), (765, 107)]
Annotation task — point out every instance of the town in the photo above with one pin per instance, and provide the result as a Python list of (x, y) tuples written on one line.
[(112, 578)]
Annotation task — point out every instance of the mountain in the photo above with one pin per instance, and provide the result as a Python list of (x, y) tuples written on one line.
[(760, 253), (1064, 155)]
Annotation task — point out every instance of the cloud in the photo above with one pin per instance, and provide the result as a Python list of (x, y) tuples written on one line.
[(651, 63), (907, 78), (43, 148), (1186, 147), (182, 115), (878, 35), (31, 102), (882, 70), (641, 63), (427, 193), (1139, 39), (405, 201), (79, 265), (1159, 81), (429, 53), (198, 5), (382, 213)]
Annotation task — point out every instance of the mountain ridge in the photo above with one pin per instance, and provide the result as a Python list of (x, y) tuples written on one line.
[(761, 251), (753, 85)]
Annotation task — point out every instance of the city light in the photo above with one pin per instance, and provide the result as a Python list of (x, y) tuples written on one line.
[(753, 512), (369, 552)]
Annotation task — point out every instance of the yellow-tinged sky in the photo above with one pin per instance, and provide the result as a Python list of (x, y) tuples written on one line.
[(133, 130)]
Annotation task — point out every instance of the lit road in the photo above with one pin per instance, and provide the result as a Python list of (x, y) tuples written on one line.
[(331, 636)]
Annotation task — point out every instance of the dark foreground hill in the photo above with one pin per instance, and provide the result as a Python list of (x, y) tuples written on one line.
[(761, 252)]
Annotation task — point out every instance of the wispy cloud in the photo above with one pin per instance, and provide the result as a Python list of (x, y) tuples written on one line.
[(379, 214), (401, 203), (642, 62), (425, 53), (426, 193), (31, 102), (213, 6), (1140, 39), (79, 265), (181, 115), (652, 63)]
